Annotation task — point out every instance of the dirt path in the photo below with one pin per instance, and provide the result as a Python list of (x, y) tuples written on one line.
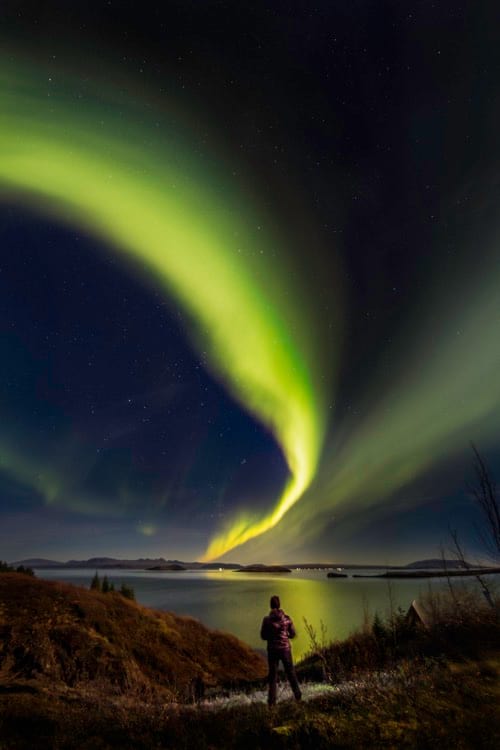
[(310, 691)]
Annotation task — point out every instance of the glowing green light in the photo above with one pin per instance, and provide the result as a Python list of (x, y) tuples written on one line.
[(446, 392), (87, 162)]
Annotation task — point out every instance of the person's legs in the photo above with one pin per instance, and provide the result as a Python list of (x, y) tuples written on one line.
[(290, 673), (272, 659)]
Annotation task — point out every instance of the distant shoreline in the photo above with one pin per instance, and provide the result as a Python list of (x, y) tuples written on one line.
[(426, 568), (444, 573)]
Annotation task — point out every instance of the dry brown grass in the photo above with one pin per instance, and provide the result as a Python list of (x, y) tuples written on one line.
[(424, 706), (88, 671), (459, 625), (69, 637)]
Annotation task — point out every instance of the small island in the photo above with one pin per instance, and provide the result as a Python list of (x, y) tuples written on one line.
[(258, 568), (334, 574), (171, 566)]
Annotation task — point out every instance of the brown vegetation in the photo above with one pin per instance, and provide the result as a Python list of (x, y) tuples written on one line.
[(459, 625), (63, 636), (428, 706), (111, 684)]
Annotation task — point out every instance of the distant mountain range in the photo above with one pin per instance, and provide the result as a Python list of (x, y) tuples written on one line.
[(439, 564), (113, 562), (160, 562)]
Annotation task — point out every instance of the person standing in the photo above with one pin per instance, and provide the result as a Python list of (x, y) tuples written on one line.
[(277, 629)]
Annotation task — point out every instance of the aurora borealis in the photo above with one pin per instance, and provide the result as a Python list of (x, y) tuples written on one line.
[(141, 201), (331, 279)]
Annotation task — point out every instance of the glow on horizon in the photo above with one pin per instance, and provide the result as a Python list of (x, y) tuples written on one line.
[(87, 164), (445, 393)]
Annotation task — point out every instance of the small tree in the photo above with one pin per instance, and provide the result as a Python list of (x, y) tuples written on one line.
[(379, 630), (127, 591), (105, 585), (25, 570), (95, 584), (6, 568)]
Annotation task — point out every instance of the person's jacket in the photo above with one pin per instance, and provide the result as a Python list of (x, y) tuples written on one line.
[(277, 628)]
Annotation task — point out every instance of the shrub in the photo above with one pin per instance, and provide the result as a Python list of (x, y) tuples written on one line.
[(458, 626), (6, 568), (127, 591)]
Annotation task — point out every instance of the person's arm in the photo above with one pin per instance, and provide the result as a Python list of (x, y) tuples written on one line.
[(264, 634), (291, 629)]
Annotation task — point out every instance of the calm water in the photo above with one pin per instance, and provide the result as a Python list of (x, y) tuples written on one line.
[(236, 602)]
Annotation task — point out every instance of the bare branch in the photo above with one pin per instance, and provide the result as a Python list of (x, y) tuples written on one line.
[(484, 492), (459, 552)]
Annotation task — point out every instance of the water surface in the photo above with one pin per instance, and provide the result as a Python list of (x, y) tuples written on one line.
[(237, 602)]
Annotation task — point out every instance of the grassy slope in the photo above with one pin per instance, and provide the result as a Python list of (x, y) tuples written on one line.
[(86, 670), (62, 636)]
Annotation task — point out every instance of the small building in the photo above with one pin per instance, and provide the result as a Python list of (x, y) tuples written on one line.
[(416, 617)]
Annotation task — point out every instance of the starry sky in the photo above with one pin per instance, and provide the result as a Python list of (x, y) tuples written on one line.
[(249, 278)]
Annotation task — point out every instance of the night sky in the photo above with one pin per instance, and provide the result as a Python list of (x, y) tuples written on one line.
[(249, 277)]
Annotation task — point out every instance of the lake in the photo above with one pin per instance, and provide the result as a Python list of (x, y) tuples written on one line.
[(237, 602)]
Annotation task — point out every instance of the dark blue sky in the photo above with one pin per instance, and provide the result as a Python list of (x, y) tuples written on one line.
[(114, 437)]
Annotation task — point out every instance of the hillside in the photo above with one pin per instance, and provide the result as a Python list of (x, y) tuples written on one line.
[(61, 636), (81, 670)]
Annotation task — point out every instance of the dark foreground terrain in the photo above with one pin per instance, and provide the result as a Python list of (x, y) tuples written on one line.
[(56, 637), (82, 669)]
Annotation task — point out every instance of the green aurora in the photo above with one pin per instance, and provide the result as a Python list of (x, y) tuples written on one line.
[(445, 394), (100, 163)]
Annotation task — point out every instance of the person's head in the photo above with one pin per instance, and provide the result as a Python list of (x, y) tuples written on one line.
[(275, 602)]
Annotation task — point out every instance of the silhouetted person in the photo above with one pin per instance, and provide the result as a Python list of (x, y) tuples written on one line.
[(277, 629)]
